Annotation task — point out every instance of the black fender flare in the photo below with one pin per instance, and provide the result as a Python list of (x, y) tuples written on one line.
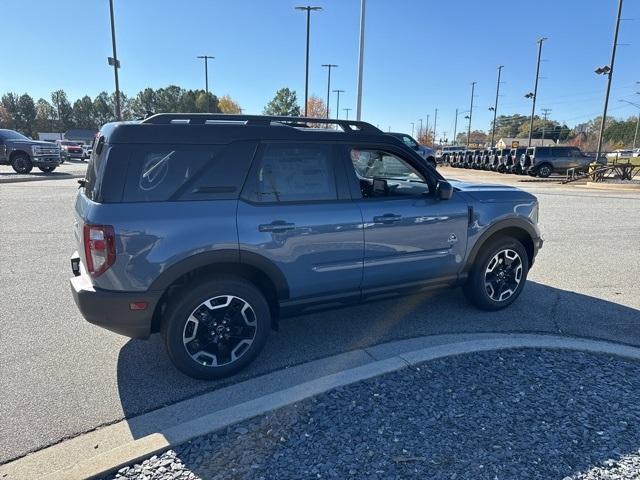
[(502, 225), (223, 257)]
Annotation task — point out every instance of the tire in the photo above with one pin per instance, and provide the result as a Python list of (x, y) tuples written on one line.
[(21, 163), (501, 169), (544, 170), (47, 169), (484, 288), (227, 296)]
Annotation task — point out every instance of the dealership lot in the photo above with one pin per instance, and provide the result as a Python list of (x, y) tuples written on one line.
[(62, 376)]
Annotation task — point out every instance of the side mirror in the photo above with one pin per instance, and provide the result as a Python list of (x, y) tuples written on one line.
[(444, 190)]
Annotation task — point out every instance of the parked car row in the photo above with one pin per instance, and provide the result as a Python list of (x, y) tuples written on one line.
[(534, 161)]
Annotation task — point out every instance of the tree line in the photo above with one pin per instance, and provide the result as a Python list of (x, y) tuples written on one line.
[(58, 114)]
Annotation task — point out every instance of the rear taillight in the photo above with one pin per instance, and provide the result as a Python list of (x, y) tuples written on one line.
[(99, 248)]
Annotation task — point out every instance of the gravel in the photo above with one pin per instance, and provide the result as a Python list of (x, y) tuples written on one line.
[(512, 414)]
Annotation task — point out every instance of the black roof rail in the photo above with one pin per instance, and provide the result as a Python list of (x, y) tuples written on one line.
[(264, 120)]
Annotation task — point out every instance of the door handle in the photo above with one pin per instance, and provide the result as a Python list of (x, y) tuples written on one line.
[(387, 218), (276, 226)]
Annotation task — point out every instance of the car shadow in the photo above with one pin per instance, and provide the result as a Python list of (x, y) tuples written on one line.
[(147, 380)]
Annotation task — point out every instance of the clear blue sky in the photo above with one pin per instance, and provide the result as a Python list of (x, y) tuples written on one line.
[(420, 54)]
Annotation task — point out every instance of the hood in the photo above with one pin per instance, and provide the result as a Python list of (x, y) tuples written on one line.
[(487, 193), (15, 141)]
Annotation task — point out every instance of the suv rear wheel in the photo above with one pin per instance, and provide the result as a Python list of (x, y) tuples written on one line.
[(544, 170), (216, 327), (498, 275), (21, 163)]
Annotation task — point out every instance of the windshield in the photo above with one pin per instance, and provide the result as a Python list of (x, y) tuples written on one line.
[(11, 135)]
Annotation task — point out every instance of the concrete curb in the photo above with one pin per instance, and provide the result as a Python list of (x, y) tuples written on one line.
[(613, 186), (59, 176), (369, 364)]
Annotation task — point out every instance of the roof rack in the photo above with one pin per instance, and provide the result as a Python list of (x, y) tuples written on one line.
[(351, 126)]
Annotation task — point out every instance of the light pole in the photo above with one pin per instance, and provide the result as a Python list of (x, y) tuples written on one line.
[(635, 137), (360, 62), (206, 77), (426, 129), (420, 129), (473, 87), (114, 61), (347, 110), (435, 122), (308, 9), (533, 95), (338, 92), (329, 66), (608, 70), (495, 106), (412, 128)]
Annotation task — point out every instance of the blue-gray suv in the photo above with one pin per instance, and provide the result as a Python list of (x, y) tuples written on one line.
[(207, 228)]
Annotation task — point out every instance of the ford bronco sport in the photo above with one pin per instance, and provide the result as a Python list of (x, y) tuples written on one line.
[(207, 228)]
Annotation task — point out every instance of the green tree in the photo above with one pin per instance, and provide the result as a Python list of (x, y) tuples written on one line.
[(144, 103), (508, 126), (26, 113), (64, 110), (45, 117), (83, 113), (9, 102), (284, 103), (103, 109)]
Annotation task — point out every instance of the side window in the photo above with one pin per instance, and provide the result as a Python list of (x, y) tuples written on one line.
[(383, 174), (409, 142), (296, 173), (157, 172)]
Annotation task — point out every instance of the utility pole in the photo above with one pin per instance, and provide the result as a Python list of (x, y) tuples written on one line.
[(545, 114), (535, 89), (347, 110), (420, 130), (435, 122), (495, 106), (609, 72), (308, 9), (338, 92), (114, 61), (360, 62), (412, 128), (329, 66), (455, 127), (206, 78), (426, 130), (473, 87)]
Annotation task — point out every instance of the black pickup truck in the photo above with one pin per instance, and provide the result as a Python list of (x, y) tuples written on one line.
[(23, 154)]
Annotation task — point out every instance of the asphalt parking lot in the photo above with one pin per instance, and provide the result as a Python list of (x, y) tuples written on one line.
[(62, 376)]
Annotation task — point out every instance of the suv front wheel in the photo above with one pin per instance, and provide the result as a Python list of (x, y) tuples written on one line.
[(216, 327), (21, 163), (498, 275)]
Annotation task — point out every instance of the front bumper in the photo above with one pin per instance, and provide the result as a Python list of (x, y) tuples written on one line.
[(111, 309), (45, 161)]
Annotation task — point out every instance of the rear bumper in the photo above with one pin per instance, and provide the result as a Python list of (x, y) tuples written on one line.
[(111, 309)]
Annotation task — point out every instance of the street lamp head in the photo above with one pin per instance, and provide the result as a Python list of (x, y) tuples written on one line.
[(491, 109), (330, 65), (604, 70), (530, 95), (206, 56), (309, 8), (467, 117)]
